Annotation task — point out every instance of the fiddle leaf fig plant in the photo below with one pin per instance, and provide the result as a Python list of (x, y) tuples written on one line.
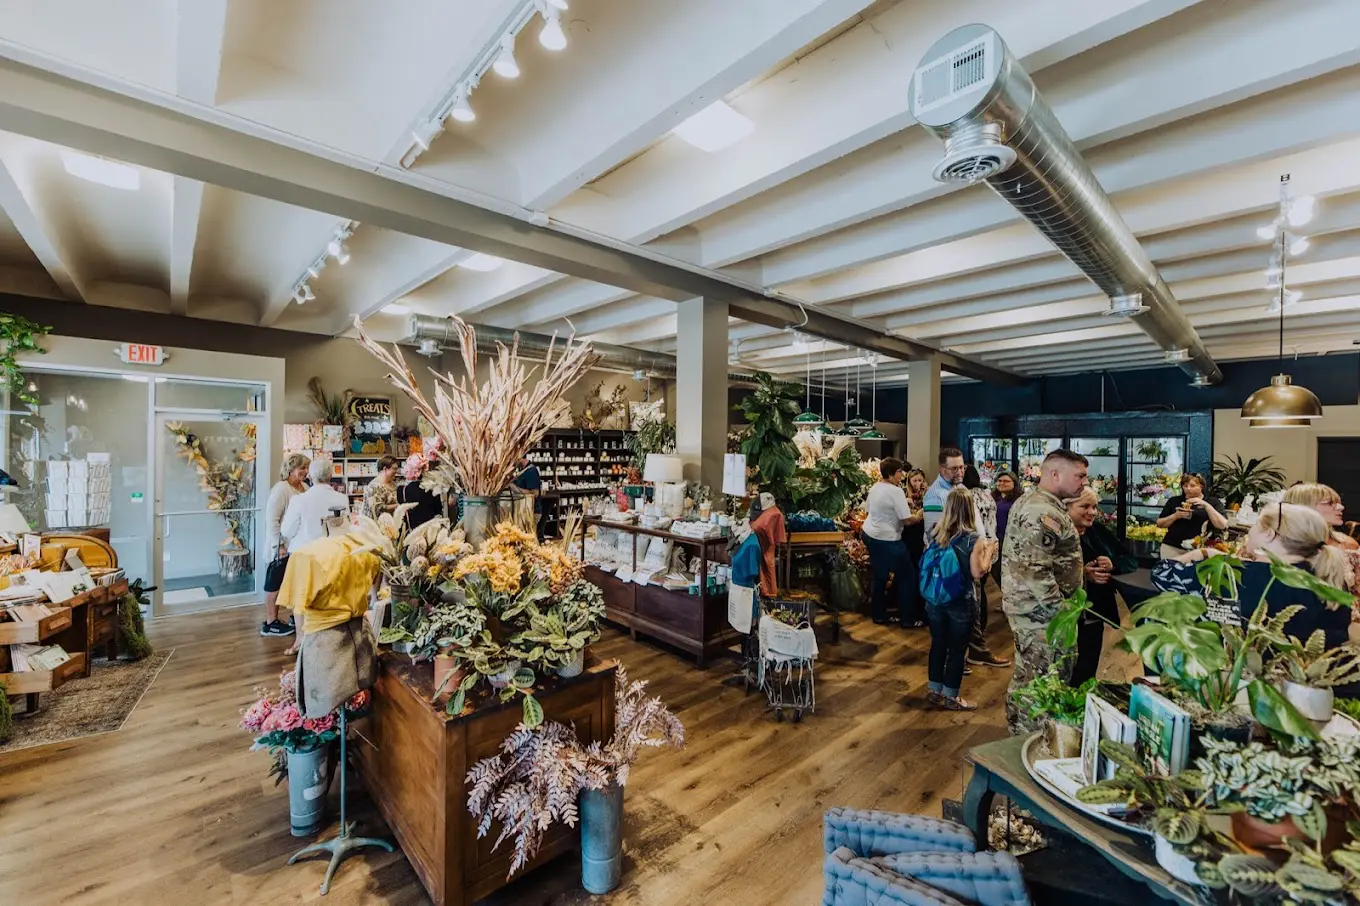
[(770, 410)]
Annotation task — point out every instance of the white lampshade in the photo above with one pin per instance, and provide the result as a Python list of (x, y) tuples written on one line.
[(663, 467), (12, 522)]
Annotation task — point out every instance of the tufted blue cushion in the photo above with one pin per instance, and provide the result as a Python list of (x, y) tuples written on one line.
[(873, 833), (988, 879), (852, 881)]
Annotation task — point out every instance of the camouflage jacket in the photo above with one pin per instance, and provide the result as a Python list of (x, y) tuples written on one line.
[(1041, 563)]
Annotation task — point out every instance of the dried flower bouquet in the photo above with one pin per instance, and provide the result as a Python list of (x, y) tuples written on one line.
[(488, 427)]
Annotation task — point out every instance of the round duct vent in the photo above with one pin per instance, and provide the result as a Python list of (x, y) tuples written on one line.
[(429, 346), (970, 165), (1126, 306)]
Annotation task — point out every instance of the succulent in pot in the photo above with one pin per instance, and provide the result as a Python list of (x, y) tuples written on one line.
[(1308, 672)]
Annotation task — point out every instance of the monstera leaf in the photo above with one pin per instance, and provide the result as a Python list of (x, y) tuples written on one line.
[(1273, 711), (1170, 638), (1061, 630), (1221, 575)]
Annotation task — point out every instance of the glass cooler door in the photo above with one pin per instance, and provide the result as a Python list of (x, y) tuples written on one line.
[(992, 455), (1153, 467), (1032, 453)]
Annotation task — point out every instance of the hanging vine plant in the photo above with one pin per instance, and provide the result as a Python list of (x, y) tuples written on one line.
[(19, 335)]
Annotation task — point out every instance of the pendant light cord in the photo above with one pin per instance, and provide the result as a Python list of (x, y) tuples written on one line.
[(1284, 254)]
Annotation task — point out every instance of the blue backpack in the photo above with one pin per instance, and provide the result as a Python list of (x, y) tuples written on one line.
[(941, 580)]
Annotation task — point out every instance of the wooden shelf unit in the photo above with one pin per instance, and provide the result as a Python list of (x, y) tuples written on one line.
[(603, 456)]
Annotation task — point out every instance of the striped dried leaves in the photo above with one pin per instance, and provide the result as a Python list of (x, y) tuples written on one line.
[(487, 427)]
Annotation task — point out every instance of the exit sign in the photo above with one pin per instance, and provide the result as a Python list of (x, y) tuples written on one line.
[(141, 354)]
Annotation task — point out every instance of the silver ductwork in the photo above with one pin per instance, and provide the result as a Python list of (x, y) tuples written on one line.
[(970, 91), (431, 334)]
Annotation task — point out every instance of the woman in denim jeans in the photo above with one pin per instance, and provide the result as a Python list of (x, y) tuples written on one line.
[(951, 624), (888, 511)]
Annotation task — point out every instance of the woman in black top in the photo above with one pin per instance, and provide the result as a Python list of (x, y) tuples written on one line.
[(427, 504), (1187, 514), (1298, 536), (1103, 557)]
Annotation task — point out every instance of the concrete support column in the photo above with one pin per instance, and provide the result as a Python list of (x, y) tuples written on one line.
[(923, 413), (701, 411)]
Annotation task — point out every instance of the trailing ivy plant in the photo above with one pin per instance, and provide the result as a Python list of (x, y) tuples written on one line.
[(19, 335), (770, 410)]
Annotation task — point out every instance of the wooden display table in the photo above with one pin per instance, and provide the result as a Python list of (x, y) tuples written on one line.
[(694, 623), (413, 759)]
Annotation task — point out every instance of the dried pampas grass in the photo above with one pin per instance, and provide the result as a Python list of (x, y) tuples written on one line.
[(486, 428)]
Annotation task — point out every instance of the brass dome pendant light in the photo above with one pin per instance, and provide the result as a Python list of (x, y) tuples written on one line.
[(873, 433), (859, 424), (1283, 404)]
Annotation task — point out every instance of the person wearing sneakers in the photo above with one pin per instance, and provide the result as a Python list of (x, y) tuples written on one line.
[(984, 515), (293, 482), (951, 621)]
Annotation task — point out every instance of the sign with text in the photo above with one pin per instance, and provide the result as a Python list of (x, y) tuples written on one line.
[(141, 354), (370, 416)]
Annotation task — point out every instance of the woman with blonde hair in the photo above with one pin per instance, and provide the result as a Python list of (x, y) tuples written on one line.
[(915, 534), (292, 482), (1297, 535), (1327, 503), (951, 622)]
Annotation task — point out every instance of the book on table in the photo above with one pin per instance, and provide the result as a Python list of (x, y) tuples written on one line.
[(1103, 721), (1163, 730)]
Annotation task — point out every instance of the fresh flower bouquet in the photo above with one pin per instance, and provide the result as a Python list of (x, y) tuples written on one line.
[(1137, 531), (276, 718)]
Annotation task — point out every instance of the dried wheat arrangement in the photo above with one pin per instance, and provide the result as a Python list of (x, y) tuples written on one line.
[(487, 427)]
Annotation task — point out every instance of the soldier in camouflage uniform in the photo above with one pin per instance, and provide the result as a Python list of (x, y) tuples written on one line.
[(1040, 568)]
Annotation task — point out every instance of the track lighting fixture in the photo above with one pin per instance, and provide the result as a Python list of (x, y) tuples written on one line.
[(462, 111), (551, 35), (425, 133), (506, 65)]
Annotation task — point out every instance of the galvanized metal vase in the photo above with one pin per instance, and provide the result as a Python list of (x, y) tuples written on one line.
[(309, 777), (601, 838)]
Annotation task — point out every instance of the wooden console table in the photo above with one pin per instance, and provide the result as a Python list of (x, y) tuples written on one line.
[(998, 768), (413, 758), (693, 623)]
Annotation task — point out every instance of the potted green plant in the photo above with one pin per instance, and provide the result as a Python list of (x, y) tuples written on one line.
[(653, 436), (1308, 672), (1152, 451), (1173, 807), (1299, 788), (558, 635), (1235, 479), (768, 446), (1048, 702)]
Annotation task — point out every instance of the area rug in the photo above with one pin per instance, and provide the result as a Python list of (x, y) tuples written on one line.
[(98, 703)]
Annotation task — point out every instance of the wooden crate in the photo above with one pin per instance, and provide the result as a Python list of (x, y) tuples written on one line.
[(816, 537), (31, 682)]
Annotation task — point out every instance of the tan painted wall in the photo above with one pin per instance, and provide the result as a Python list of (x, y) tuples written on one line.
[(1293, 449)]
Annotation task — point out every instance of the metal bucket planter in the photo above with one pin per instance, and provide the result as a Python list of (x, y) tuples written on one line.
[(309, 777), (601, 838), (480, 515)]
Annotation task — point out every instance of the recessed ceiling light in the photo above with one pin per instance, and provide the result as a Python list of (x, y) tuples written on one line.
[(101, 170), (396, 308), (715, 127), (482, 262)]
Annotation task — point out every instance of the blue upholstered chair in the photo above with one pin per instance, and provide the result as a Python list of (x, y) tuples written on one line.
[(883, 859)]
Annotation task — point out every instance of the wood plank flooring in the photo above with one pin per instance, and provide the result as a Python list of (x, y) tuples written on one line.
[(175, 809)]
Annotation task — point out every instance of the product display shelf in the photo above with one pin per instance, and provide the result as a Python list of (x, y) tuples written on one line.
[(591, 459), (414, 759), (693, 623)]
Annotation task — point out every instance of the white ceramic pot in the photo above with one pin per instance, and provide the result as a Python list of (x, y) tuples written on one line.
[(1179, 867), (502, 679), (1314, 704), (574, 666)]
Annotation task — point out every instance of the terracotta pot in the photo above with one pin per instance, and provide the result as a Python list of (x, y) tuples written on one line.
[(443, 666), (1266, 837)]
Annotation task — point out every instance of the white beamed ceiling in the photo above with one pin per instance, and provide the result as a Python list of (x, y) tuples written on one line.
[(1187, 111)]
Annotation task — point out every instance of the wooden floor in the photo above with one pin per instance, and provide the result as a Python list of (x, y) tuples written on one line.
[(175, 809)]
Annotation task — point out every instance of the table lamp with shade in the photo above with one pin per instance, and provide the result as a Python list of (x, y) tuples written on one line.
[(667, 472)]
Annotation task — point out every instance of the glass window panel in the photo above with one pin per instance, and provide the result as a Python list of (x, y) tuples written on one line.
[(80, 417), (182, 394)]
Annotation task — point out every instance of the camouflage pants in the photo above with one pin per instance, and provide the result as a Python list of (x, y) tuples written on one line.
[(1033, 656)]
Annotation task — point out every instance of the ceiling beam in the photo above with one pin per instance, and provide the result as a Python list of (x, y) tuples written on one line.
[(46, 246), (236, 155), (673, 185), (876, 205)]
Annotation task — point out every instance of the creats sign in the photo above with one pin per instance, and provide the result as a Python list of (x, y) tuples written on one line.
[(370, 415)]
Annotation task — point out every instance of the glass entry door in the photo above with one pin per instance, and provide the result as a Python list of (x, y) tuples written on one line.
[(209, 520)]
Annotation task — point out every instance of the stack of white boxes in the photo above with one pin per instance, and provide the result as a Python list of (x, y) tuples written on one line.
[(78, 491)]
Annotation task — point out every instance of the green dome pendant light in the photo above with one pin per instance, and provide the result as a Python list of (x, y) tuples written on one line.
[(859, 424), (1283, 404), (807, 419), (873, 433)]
